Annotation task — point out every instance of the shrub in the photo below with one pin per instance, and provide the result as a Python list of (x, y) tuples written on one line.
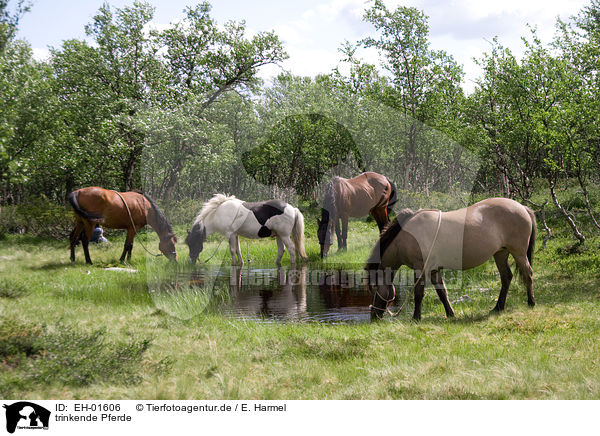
[(38, 217)]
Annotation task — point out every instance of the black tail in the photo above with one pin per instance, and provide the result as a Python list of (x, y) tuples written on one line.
[(393, 198), (72, 198), (532, 237)]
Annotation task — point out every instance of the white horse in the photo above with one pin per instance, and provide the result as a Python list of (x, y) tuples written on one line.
[(232, 217)]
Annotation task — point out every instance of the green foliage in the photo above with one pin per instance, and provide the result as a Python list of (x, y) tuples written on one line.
[(77, 358), (18, 341), (39, 355), (38, 217), (299, 151), (12, 289)]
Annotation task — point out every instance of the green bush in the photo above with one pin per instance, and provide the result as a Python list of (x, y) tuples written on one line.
[(31, 354), (18, 341), (11, 289), (38, 217), (79, 358)]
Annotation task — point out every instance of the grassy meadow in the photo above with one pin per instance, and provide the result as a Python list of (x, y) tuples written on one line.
[(77, 331)]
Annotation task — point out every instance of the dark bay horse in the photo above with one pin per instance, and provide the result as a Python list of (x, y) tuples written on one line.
[(118, 210), (368, 193), (429, 240)]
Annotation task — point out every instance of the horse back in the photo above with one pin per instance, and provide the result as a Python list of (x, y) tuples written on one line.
[(360, 194), (111, 207)]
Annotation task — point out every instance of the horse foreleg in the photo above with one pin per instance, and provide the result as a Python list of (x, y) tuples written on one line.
[(128, 247), (344, 233), (290, 247), (440, 287), (239, 251), (338, 233), (74, 237), (501, 259), (280, 251), (233, 248), (527, 275), (419, 294)]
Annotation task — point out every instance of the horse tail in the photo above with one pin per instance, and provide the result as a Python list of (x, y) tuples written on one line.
[(298, 234), (392, 199), (532, 236), (72, 198)]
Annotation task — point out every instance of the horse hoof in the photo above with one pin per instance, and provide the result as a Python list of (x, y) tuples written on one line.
[(531, 303)]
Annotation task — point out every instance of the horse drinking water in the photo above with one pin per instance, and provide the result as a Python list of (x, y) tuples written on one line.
[(368, 193), (429, 240), (232, 217), (118, 210)]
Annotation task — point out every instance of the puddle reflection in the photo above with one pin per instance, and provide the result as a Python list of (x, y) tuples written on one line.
[(268, 295)]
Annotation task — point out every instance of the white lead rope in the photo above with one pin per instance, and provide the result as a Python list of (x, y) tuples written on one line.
[(133, 225)]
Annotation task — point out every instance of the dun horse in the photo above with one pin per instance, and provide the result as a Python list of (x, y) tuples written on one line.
[(232, 217), (118, 210), (368, 193), (429, 240)]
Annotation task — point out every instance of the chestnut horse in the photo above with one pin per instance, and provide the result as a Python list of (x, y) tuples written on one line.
[(429, 240), (368, 193), (118, 210)]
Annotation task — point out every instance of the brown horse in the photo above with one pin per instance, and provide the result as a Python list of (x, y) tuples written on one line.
[(368, 193), (118, 210), (429, 240)]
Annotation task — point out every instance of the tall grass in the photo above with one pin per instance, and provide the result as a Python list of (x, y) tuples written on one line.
[(161, 342)]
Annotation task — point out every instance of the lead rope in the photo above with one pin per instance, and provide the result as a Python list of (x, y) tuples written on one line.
[(133, 225), (387, 309), (214, 252)]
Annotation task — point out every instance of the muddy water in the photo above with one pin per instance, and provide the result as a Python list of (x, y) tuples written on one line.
[(270, 295)]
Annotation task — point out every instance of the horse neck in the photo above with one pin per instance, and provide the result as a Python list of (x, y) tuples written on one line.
[(330, 203), (158, 223)]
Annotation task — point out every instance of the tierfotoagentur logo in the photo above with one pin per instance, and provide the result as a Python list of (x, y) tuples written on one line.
[(24, 415)]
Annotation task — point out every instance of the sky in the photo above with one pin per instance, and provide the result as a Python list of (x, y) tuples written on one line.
[(314, 30)]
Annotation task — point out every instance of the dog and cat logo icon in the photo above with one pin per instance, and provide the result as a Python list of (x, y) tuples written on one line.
[(26, 415)]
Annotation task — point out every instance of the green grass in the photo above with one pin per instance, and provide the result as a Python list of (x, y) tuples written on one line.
[(151, 345)]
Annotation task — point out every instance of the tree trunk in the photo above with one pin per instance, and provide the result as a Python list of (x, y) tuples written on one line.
[(587, 199), (565, 214)]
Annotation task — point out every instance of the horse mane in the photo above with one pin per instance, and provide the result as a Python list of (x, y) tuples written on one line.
[(387, 236), (163, 224), (329, 204), (211, 206)]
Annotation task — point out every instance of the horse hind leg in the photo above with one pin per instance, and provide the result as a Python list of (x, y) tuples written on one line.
[(506, 275), (527, 276), (290, 247), (440, 287), (85, 240), (381, 217), (74, 238)]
